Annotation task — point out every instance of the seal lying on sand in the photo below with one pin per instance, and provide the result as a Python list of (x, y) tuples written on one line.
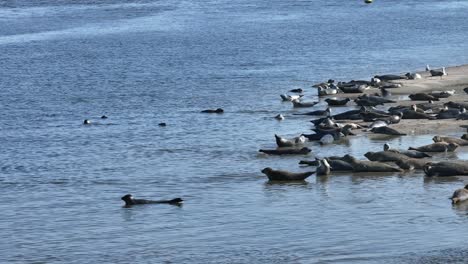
[(409, 153), (445, 169), (460, 142), (460, 195), (286, 151), (281, 175), (437, 147), (387, 131), (369, 166), (213, 111), (411, 164), (385, 156), (283, 142), (298, 104), (337, 102), (423, 97), (129, 201)]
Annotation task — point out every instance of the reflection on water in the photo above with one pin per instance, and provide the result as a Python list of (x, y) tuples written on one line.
[(149, 62)]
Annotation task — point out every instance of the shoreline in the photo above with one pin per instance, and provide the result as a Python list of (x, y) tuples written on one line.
[(456, 79)]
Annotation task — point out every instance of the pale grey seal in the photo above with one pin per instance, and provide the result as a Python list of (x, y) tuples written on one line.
[(436, 147), (284, 142), (459, 141), (282, 175), (129, 201), (323, 168)]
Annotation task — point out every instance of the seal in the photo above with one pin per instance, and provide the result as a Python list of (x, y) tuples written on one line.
[(104, 117), (390, 77), (298, 104), (282, 175), (213, 111), (284, 142), (450, 113), (387, 131), (129, 201), (298, 90), (369, 166), (459, 141), (325, 112), (385, 156), (460, 195), (279, 117), (422, 97), (411, 164), (437, 147), (86, 122), (162, 124), (286, 151), (438, 73), (323, 168), (409, 153), (287, 97), (445, 169), (337, 102)]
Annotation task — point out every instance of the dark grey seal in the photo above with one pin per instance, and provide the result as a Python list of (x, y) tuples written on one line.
[(337, 102), (387, 131), (385, 156), (411, 164), (445, 169), (460, 195), (422, 97), (390, 77), (286, 151), (129, 201), (282, 175), (369, 166), (213, 111), (86, 122), (298, 104)]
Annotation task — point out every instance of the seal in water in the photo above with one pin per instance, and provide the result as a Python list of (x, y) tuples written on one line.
[(282, 175), (325, 112), (162, 124), (437, 147), (283, 142), (213, 111), (103, 117), (279, 117), (460, 142), (86, 122), (299, 90), (285, 151), (369, 166), (460, 195), (323, 168), (445, 169), (129, 201)]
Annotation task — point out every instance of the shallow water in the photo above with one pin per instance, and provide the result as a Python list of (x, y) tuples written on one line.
[(146, 62)]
